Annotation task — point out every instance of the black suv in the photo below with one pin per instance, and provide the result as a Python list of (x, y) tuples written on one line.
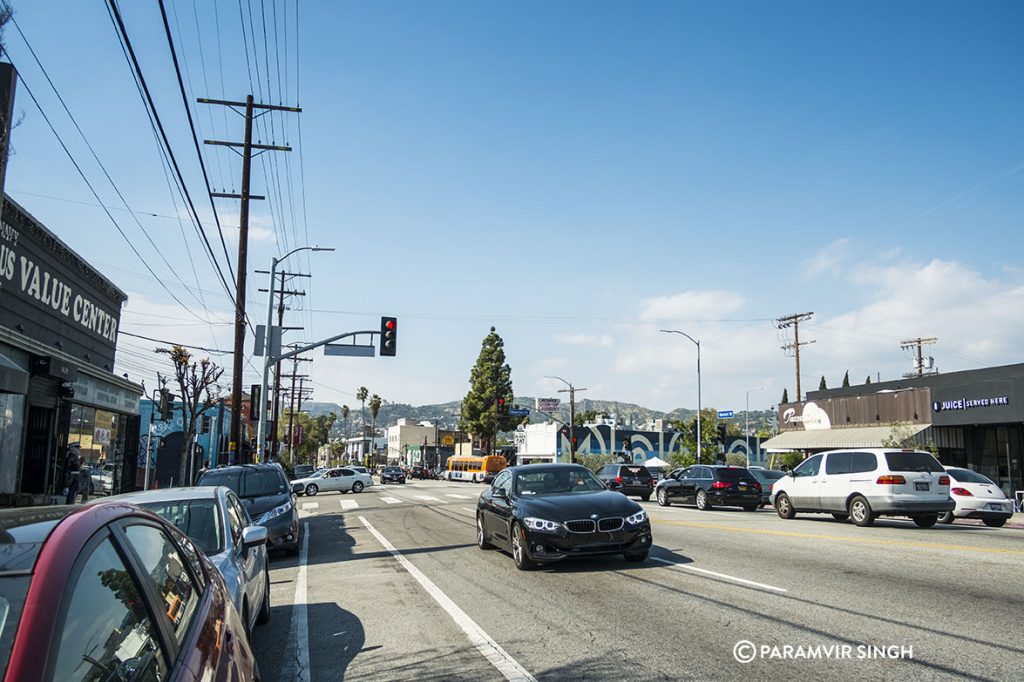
[(628, 479), (268, 497), (393, 474), (706, 486)]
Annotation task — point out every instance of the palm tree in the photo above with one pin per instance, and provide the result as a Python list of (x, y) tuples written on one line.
[(375, 403), (361, 395), (344, 417)]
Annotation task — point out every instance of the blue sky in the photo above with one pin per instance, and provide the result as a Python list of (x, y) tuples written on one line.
[(579, 174)]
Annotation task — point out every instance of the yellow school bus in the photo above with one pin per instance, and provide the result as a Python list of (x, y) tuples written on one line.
[(464, 468)]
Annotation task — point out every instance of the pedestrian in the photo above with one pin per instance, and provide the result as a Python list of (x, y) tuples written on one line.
[(72, 465), (84, 482)]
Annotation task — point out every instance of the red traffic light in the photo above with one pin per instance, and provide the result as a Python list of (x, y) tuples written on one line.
[(501, 401), (389, 324)]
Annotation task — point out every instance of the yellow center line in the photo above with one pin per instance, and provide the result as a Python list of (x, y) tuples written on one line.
[(838, 538)]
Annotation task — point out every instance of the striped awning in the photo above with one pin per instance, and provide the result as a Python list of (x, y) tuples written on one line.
[(852, 437)]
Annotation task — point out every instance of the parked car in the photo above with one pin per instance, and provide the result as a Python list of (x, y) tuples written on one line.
[(216, 521), (267, 497), (101, 479), (628, 479), (421, 473), (340, 479), (392, 474), (302, 470), (111, 591), (864, 484), (976, 497), (707, 486), (359, 469), (548, 512), (765, 477)]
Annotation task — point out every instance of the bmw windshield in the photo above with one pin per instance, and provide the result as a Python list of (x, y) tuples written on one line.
[(543, 481)]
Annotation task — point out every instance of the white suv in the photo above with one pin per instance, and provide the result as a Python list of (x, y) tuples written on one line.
[(864, 484)]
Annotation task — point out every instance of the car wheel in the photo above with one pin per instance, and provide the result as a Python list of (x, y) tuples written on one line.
[(523, 562), (860, 512), (357, 487), (312, 489), (663, 498), (946, 517), (702, 501), (646, 498), (637, 556), (264, 615), (481, 537), (994, 523), (751, 507), (926, 520), (841, 517), (784, 507)]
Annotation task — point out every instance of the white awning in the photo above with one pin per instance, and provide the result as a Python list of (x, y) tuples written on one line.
[(853, 437)]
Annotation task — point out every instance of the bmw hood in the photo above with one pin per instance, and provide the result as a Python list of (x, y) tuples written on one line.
[(578, 505)]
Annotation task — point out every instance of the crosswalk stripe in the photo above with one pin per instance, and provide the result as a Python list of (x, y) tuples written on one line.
[(348, 504), (389, 500), (427, 498), (458, 497), (310, 505)]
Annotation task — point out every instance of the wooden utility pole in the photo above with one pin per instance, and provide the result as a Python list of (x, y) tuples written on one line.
[(919, 354), (235, 436), (794, 322)]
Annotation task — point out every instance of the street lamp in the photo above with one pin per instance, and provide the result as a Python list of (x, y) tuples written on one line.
[(746, 420), (572, 413), (261, 427), (696, 342)]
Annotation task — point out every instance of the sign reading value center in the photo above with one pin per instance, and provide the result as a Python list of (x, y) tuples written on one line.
[(51, 295)]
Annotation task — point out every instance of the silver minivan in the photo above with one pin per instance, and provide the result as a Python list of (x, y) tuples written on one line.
[(865, 483)]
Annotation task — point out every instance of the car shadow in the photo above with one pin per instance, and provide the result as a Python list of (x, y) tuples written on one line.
[(336, 638)]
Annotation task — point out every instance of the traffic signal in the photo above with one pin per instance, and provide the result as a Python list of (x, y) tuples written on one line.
[(254, 402), (721, 434), (166, 405), (388, 336), (501, 407)]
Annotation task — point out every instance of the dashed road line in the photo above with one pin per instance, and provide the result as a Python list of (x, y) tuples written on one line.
[(490, 649), (715, 574), (427, 498), (386, 499), (459, 497), (348, 504), (469, 509)]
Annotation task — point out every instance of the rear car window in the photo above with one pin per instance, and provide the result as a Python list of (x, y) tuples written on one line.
[(198, 519), (913, 461), (733, 475), (636, 472), (968, 476)]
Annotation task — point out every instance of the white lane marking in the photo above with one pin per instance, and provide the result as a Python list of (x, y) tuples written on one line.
[(490, 649), (723, 576), (427, 498), (298, 640), (349, 504), (310, 505), (389, 500), (469, 509), (459, 497)]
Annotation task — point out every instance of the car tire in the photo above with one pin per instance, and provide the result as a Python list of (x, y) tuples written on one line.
[(264, 615), (841, 517), (637, 557), (994, 523), (519, 557), (946, 517), (357, 487), (245, 622), (701, 500), (312, 490), (860, 512), (751, 507), (925, 520), (481, 537), (784, 507), (663, 498), (646, 498)]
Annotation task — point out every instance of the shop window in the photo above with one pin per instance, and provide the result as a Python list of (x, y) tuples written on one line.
[(12, 424)]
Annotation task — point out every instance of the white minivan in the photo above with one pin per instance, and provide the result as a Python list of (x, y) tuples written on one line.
[(865, 483)]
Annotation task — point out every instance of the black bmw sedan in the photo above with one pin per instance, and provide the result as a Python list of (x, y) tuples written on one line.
[(549, 512)]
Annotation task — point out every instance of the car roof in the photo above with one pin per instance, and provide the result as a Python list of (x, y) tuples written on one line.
[(239, 467), (170, 494)]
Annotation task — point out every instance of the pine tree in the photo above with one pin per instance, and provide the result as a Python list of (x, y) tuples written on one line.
[(785, 395), (821, 384), (490, 379), (868, 380), (846, 379)]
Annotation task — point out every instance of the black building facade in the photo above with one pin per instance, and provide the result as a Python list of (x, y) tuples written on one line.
[(59, 321)]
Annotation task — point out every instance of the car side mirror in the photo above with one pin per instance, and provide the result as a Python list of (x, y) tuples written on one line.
[(254, 536), (499, 493), (296, 488)]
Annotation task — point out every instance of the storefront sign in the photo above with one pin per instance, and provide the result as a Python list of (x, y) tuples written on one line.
[(969, 403), (92, 391), (51, 295)]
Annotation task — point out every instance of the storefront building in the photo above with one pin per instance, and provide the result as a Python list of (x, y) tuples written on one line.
[(972, 419), (59, 321), (166, 445)]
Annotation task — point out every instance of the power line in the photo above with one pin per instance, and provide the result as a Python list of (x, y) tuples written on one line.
[(175, 343)]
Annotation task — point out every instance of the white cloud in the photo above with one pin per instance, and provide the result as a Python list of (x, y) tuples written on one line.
[(826, 259), (600, 340), (691, 305)]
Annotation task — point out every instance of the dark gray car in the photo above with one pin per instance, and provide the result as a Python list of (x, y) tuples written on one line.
[(268, 498)]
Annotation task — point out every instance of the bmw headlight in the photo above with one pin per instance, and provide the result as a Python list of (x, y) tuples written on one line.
[(637, 519), (274, 513), (541, 524)]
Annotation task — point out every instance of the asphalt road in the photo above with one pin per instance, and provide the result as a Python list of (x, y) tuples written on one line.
[(391, 586)]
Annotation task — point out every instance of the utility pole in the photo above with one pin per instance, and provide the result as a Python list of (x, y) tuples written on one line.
[(572, 414), (919, 355), (794, 322), (235, 437), (291, 401)]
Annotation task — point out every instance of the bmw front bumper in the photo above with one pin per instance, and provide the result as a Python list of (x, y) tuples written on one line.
[(562, 544)]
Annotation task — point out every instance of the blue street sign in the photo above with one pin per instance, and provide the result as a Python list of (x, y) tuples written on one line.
[(726, 414), (518, 412)]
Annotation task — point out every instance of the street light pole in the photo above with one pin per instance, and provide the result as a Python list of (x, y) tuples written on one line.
[(268, 358), (746, 425), (572, 414), (695, 342)]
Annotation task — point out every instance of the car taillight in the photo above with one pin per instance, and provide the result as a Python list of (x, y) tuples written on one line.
[(618, 479), (718, 485), (943, 480), (757, 486), (891, 480), (963, 492)]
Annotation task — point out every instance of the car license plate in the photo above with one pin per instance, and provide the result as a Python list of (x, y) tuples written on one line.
[(743, 487), (920, 486)]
